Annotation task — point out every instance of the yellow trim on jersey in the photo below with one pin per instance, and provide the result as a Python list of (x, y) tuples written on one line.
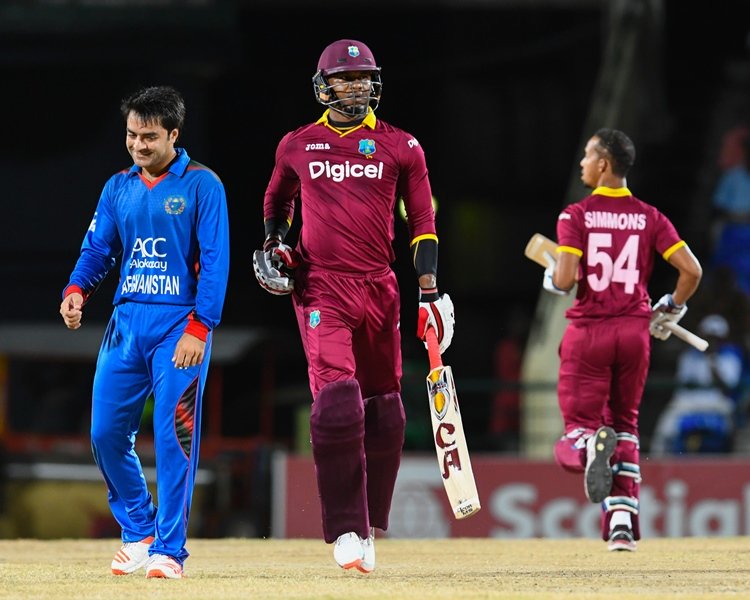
[(369, 121), (288, 221), (672, 249), (603, 190), (570, 250), (426, 236)]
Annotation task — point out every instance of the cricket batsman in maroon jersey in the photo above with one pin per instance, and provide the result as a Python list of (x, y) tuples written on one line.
[(347, 170), (607, 243)]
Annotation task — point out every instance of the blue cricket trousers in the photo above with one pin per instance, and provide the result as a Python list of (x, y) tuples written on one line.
[(135, 359)]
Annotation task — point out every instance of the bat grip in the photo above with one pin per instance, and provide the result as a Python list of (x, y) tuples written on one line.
[(433, 349)]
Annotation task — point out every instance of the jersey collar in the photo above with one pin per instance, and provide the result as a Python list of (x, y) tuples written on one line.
[(369, 121), (603, 190), (178, 167)]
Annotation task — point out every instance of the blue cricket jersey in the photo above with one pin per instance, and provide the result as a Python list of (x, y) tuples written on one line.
[(172, 233)]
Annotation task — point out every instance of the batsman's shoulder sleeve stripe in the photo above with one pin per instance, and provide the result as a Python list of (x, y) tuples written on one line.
[(672, 249), (426, 236), (570, 250)]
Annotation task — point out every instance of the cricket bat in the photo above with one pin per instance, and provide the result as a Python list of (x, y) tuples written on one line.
[(685, 335), (539, 244), (450, 441)]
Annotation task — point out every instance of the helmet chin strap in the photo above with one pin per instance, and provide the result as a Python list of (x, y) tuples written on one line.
[(352, 110), (355, 119)]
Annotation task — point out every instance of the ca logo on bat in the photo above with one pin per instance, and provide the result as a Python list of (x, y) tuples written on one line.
[(441, 397)]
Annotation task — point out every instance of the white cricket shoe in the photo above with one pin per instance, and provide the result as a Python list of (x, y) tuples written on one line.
[(131, 557), (368, 546), (348, 551), (161, 566), (598, 476)]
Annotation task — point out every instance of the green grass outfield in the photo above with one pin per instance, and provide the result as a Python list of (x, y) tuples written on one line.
[(455, 569)]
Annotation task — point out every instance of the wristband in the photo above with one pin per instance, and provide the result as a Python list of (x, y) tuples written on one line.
[(673, 304), (196, 328), (428, 295)]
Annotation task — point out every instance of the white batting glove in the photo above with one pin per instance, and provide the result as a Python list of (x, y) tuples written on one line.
[(665, 310), (547, 282), (273, 266), (438, 315)]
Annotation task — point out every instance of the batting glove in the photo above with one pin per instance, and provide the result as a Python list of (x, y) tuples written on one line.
[(547, 282), (273, 267), (437, 314), (665, 310)]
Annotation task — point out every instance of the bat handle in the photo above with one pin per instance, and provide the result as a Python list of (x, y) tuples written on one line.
[(433, 349)]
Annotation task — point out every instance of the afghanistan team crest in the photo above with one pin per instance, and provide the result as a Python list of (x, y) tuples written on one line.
[(367, 147), (353, 51), (174, 205)]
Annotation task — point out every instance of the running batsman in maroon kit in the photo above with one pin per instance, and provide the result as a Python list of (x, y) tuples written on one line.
[(607, 244), (347, 170)]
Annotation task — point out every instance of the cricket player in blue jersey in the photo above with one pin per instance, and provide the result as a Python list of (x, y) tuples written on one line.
[(166, 217)]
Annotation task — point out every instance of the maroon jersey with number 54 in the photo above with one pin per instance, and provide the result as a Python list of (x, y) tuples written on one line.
[(617, 236), (348, 182)]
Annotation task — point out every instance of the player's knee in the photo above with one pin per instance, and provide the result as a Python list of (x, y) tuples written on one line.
[(337, 416), (101, 435), (385, 420)]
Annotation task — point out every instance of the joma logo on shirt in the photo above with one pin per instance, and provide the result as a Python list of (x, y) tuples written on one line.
[(338, 172), (324, 146)]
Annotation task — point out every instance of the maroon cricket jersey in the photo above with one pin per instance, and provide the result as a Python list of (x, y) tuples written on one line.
[(616, 235), (348, 182)]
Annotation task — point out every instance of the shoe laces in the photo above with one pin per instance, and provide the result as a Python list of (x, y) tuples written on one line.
[(130, 545), (345, 538)]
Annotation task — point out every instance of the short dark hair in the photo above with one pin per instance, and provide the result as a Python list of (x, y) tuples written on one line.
[(160, 104), (619, 148)]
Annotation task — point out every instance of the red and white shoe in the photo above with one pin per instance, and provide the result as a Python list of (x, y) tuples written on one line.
[(131, 557), (368, 560), (161, 566)]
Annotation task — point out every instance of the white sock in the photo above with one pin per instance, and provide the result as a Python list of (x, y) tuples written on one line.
[(620, 517)]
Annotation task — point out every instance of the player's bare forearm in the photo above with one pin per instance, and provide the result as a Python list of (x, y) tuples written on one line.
[(566, 270), (427, 281), (690, 276)]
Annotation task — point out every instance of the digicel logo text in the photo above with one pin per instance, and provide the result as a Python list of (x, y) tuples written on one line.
[(338, 172)]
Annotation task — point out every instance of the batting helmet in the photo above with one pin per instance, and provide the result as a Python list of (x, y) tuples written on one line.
[(340, 57)]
